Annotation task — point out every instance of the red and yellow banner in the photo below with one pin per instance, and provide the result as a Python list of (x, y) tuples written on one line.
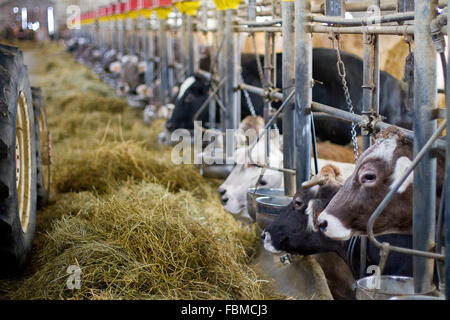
[(188, 7), (227, 4)]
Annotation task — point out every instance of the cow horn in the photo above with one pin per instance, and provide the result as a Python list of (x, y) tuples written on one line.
[(314, 181)]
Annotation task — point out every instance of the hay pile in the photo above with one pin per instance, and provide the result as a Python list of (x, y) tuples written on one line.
[(137, 226)]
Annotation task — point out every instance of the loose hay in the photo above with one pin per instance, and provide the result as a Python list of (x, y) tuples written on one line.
[(144, 242), (137, 226)]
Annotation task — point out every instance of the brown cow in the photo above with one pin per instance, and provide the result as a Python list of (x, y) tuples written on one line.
[(376, 171)]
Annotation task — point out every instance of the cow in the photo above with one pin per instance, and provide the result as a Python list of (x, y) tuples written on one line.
[(132, 74), (327, 90), (233, 191), (293, 232), (376, 171)]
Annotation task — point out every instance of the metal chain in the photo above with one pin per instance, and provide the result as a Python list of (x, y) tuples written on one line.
[(260, 71), (342, 73), (251, 107), (258, 61)]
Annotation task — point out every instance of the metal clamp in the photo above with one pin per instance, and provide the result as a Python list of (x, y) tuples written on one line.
[(369, 122)]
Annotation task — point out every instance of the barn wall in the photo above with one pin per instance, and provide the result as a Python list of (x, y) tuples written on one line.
[(36, 9)]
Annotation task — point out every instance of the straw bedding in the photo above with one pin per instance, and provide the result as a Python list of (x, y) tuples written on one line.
[(137, 226)]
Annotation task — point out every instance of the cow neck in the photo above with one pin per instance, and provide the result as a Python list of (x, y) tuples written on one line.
[(349, 251)]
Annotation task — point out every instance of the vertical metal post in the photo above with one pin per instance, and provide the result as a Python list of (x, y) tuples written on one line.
[(213, 68), (371, 94), (268, 76), (163, 60), (120, 35), (113, 27), (190, 45), (303, 91), (221, 64), (232, 67), (447, 183), (171, 62), (148, 51), (251, 9), (287, 14), (424, 196)]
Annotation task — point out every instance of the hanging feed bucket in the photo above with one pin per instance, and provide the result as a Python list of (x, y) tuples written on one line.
[(268, 208), (260, 192), (388, 287), (215, 166)]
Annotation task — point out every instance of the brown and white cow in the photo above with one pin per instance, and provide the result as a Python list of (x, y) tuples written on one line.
[(376, 171)]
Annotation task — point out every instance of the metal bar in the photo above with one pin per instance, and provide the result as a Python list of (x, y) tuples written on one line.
[(348, 117), (170, 64), (252, 10), (210, 98), (303, 91), (252, 23), (148, 50), (287, 13), (233, 65), (120, 35), (393, 30), (221, 64), (420, 155), (190, 45), (447, 183), (164, 62), (364, 21), (425, 94), (264, 132), (260, 91)]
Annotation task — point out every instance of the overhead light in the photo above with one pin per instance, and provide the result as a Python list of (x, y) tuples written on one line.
[(50, 21), (24, 18)]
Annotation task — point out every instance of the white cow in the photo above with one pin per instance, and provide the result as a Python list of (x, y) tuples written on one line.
[(233, 192)]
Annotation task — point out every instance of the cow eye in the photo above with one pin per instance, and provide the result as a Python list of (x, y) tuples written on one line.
[(298, 204), (368, 178)]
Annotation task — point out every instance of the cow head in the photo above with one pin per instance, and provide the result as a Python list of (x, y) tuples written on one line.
[(233, 192), (294, 230), (376, 171), (191, 95)]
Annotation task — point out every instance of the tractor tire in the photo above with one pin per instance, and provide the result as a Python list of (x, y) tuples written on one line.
[(43, 148), (18, 194)]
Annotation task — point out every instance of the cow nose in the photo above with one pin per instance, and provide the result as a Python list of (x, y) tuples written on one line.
[(224, 200), (323, 224), (221, 191)]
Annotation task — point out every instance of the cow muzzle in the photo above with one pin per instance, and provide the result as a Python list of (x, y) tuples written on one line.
[(332, 227), (267, 241)]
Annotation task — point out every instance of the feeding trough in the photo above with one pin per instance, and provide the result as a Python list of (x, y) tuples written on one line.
[(268, 208), (137, 101), (215, 165), (253, 193), (402, 288)]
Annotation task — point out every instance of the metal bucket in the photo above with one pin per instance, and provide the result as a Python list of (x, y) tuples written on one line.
[(417, 297), (268, 208), (389, 287), (260, 192), (218, 168)]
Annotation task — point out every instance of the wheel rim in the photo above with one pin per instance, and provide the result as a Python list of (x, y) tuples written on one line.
[(23, 161), (45, 149)]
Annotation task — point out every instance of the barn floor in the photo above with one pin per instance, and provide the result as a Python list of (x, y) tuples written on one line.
[(137, 226)]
